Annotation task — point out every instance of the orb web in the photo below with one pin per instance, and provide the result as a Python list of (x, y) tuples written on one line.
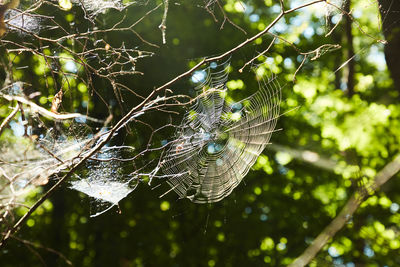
[(218, 142)]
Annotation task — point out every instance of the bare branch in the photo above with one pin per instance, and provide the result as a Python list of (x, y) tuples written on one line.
[(226, 18), (347, 212), (163, 25), (38, 109), (9, 118), (260, 54)]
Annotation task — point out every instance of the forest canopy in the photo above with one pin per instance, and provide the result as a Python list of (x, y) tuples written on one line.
[(199, 133)]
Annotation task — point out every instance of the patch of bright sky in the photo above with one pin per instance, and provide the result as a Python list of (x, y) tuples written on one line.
[(288, 63), (337, 262), (80, 120), (254, 17), (357, 13), (320, 31), (15, 89), (280, 27), (17, 128), (394, 208), (368, 252), (333, 252), (84, 104), (281, 246), (263, 217), (296, 21), (376, 57), (276, 8), (269, 60), (316, 9), (248, 9), (247, 210), (199, 76), (336, 19), (70, 66), (308, 32)]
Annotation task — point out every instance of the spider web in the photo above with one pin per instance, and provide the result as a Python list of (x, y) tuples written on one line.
[(36, 159), (334, 14), (33, 157), (23, 22), (96, 7), (107, 179), (218, 142)]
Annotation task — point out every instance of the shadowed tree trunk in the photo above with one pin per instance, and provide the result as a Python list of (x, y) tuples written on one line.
[(390, 13), (350, 51), (337, 39)]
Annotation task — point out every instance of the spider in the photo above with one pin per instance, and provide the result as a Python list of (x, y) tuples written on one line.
[(179, 147)]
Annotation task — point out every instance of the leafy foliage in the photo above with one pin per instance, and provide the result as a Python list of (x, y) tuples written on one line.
[(107, 62)]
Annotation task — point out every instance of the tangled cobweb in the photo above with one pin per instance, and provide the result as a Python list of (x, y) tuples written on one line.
[(108, 179), (23, 22), (95, 7), (34, 159), (29, 161), (18, 175), (218, 142)]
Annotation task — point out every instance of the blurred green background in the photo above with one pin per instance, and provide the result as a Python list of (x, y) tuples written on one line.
[(340, 127)]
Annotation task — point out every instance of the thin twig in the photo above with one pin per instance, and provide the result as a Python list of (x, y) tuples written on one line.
[(226, 18), (45, 248), (260, 54), (299, 67), (9, 118), (163, 25)]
